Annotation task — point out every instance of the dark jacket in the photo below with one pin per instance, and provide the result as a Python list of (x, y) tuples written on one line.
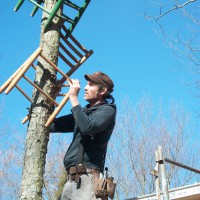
[(92, 127)]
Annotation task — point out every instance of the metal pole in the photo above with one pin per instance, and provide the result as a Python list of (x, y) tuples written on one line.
[(162, 169), (182, 165)]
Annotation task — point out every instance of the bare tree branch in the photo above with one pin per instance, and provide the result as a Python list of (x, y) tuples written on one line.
[(138, 132), (176, 6)]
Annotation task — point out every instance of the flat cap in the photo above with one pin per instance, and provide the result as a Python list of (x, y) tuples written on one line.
[(101, 78)]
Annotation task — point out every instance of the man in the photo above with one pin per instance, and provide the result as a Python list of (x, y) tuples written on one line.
[(92, 127)]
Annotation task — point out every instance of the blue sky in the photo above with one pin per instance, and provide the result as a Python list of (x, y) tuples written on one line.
[(125, 46)]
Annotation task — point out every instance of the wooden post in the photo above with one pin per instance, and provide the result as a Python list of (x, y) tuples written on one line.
[(160, 160)]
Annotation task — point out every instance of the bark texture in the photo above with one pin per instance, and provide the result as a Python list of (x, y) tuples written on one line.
[(40, 110)]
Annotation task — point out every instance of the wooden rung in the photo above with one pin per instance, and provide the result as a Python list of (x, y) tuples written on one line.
[(68, 53), (51, 13), (71, 46), (54, 114), (78, 44), (25, 119), (53, 65), (57, 110), (86, 57), (65, 59), (72, 5), (68, 19), (65, 29), (33, 66), (73, 39), (72, 70), (78, 17), (61, 95), (23, 92), (63, 85), (23, 70), (38, 88)]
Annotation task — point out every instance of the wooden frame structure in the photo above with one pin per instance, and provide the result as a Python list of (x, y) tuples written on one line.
[(75, 51), (53, 12), (71, 49)]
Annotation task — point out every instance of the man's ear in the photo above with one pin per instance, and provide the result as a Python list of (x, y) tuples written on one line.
[(104, 91)]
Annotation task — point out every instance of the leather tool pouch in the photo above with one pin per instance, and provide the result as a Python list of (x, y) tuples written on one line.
[(110, 187), (103, 187)]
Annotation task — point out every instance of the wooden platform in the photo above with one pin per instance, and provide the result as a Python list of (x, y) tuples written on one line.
[(190, 192)]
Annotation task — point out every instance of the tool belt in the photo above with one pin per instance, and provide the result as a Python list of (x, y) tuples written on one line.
[(103, 187), (75, 172)]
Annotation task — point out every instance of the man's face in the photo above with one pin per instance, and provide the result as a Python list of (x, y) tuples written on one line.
[(92, 93)]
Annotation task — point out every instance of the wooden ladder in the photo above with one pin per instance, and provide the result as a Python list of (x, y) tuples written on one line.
[(67, 50)]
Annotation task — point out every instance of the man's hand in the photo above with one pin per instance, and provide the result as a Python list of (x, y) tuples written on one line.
[(74, 91)]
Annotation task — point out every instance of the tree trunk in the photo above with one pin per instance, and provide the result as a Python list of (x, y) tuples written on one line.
[(41, 108)]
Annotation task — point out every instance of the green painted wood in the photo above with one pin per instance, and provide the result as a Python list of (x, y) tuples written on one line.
[(53, 13), (77, 18), (35, 9), (72, 5), (68, 19), (65, 18), (18, 5), (39, 6)]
